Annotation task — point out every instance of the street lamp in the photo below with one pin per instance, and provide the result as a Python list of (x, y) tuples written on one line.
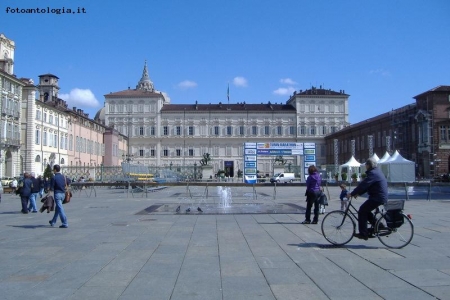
[(195, 171)]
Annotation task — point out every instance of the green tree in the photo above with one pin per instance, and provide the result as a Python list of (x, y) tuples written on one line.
[(48, 172)]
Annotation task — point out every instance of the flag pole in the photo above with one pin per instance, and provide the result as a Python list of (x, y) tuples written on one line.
[(228, 93)]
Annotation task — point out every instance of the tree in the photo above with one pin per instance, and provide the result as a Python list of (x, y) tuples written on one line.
[(206, 159), (48, 172)]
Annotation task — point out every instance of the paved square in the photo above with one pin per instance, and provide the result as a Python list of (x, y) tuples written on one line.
[(115, 248)]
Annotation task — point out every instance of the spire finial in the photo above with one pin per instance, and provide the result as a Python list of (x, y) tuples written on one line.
[(145, 83)]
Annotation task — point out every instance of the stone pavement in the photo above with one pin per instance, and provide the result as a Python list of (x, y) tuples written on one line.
[(116, 249)]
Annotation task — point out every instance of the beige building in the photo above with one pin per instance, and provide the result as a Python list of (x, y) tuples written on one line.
[(54, 134), (45, 126)]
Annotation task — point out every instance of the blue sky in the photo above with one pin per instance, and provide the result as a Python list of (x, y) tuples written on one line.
[(381, 52)]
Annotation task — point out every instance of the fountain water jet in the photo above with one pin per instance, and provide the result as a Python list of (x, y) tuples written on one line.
[(225, 198)]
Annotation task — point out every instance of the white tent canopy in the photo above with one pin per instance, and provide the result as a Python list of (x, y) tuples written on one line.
[(350, 167), (375, 157), (385, 157), (398, 169)]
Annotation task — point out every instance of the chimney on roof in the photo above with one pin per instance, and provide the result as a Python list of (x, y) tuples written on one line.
[(74, 109)]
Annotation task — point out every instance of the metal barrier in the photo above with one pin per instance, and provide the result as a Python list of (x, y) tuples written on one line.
[(407, 191)]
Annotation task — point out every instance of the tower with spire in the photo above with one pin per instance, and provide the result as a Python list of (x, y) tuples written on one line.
[(145, 83)]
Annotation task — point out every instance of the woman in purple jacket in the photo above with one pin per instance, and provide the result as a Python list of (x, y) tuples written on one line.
[(312, 194)]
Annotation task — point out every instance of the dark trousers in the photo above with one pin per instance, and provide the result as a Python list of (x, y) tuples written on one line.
[(312, 198), (24, 200), (365, 214)]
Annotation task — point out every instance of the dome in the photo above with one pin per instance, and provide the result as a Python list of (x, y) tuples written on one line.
[(100, 116)]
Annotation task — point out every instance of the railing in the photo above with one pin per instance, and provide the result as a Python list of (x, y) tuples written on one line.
[(409, 191)]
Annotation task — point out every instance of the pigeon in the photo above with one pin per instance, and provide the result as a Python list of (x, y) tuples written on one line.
[(199, 209), (188, 210), (178, 208)]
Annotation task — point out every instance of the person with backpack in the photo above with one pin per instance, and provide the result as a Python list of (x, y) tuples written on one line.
[(313, 192)]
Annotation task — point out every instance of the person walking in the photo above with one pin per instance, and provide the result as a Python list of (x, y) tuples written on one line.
[(344, 197), (34, 192), (14, 185), (25, 192), (313, 192), (41, 186), (46, 184), (375, 184), (58, 186)]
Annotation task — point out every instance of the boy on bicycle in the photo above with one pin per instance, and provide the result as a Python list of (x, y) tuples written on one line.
[(375, 185)]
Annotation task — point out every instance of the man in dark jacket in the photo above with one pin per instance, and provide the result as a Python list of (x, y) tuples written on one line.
[(25, 192), (58, 186), (34, 192), (375, 185)]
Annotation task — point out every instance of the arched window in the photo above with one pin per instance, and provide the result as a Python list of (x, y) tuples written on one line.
[(62, 161), (37, 159)]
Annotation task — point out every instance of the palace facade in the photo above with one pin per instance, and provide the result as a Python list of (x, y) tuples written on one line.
[(164, 134)]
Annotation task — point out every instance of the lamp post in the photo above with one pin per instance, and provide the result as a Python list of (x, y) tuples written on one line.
[(195, 171)]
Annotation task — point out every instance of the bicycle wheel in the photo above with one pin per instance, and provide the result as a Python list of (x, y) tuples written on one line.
[(395, 237), (336, 229)]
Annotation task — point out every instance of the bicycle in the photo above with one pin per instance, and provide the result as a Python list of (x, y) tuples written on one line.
[(392, 227)]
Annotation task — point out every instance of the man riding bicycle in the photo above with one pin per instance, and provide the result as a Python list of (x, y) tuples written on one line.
[(375, 185)]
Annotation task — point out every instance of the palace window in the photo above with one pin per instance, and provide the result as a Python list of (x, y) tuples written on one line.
[(241, 130), (38, 136)]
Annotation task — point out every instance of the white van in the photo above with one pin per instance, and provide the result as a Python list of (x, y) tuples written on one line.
[(283, 177)]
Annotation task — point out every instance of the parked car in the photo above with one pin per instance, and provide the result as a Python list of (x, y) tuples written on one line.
[(6, 181), (283, 177)]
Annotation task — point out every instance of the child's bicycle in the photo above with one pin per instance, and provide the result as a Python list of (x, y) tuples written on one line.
[(392, 227)]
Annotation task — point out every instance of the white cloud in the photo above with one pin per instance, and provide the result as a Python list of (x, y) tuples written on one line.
[(288, 81), (80, 98), (187, 84), (240, 81), (284, 91), (381, 72)]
